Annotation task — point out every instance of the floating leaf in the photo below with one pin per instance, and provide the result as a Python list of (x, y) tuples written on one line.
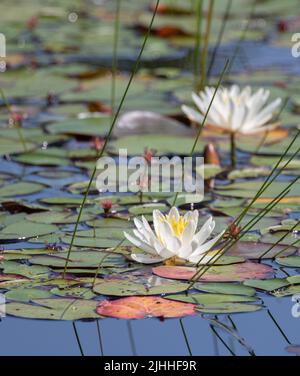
[(226, 273), (267, 285), (20, 189), (229, 308), (254, 250), (127, 288), (25, 229), (33, 271), (27, 294), (54, 309), (74, 292), (291, 261), (80, 259), (50, 217), (225, 288), (139, 307), (206, 298)]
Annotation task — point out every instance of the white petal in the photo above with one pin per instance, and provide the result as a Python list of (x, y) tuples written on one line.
[(146, 259), (139, 243), (193, 115), (205, 231), (197, 254), (174, 213)]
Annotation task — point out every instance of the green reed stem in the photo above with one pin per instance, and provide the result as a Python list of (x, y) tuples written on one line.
[(278, 327), (220, 37), (205, 45), (77, 338), (230, 243), (197, 51), (115, 57), (100, 337), (250, 224), (280, 240), (135, 69), (269, 178), (204, 119), (287, 247), (19, 130), (185, 338)]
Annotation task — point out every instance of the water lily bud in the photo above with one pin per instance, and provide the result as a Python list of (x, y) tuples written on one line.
[(16, 119), (234, 230), (98, 143), (148, 154), (106, 206), (211, 156), (32, 23)]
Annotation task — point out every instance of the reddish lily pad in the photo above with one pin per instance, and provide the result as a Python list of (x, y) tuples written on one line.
[(254, 250), (224, 273), (139, 307)]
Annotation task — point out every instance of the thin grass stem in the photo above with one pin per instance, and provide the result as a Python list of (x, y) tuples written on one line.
[(280, 240), (77, 338), (135, 69), (115, 57), (220, 37), (205, 45), (204, 119), (278, 327), (197, 51), (185, 338)]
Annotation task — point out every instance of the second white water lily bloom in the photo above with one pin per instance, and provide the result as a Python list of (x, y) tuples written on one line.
[(173, 236), (234, 110)]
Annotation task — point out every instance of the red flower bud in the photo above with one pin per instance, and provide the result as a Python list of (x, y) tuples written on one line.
[(106, 206)]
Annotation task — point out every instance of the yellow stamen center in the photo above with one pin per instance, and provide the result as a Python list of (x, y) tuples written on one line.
[(177, 226)]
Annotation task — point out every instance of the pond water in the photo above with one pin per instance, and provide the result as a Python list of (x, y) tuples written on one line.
[(58, 78)]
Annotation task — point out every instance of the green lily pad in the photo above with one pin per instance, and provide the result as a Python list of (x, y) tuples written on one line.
[(51, 217), (54, 309), (127, 288), (92, 242), (287, 291), (74, 292), (206, 298), (80, 259), (85, 127), (225, 288), (227, 308), (25, 229), (27, 294), (163, 144), (20, 189), (29, 271), (267, 285), (10, 146), (291, 261), (147, 209)]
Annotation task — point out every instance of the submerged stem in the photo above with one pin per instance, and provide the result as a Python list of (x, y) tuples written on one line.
[(233, 150)]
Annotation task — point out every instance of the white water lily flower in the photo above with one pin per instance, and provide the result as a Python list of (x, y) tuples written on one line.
[(234, 110), (173, 235)]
